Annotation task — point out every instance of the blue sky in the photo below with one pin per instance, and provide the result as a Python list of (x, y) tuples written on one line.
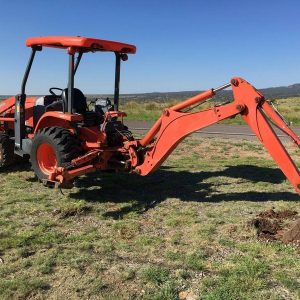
[(181, 45)]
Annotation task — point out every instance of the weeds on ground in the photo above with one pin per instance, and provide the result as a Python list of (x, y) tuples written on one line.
[(151, 111), (180, 231)]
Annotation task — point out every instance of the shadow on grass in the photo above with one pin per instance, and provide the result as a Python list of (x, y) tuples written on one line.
[(143, 193), (21, 165)]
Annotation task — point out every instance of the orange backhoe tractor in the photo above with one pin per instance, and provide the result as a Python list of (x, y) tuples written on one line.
[(64, 140)]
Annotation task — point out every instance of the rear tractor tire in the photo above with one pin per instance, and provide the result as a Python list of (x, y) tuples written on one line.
[(52, 147), (7, 155)]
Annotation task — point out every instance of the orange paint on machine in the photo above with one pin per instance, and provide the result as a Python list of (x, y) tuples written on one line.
[(64, 139)]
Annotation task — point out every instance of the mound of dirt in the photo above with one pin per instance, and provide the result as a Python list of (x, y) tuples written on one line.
[(276, 226), (266, 229), (293, 234), (281, 215)]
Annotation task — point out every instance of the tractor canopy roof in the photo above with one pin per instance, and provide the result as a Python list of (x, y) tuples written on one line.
[(80, 44)]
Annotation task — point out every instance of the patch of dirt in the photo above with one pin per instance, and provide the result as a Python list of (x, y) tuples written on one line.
[(293, 234), (266, 228), (280, 215), (186, 295), (277, 226), (71, 211)]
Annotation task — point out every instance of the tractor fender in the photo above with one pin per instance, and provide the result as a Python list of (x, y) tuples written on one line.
[(57, 119)]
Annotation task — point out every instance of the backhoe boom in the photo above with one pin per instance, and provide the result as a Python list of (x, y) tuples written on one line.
[(175, 125)]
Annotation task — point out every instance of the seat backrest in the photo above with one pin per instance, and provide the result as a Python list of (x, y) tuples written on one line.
[(79, 100)]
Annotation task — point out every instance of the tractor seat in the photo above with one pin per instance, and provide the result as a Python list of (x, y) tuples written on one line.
[(90, 118), (79, 100)]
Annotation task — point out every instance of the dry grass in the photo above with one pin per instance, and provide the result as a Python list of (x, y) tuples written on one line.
[(183, 229), (290, 108), (150, 111)]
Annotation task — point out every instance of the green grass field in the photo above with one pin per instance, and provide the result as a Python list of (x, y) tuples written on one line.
[(150, 111), (180, 232)]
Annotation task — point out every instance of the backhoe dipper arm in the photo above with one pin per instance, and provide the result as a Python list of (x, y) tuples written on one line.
[(173, 126), (258, 109)]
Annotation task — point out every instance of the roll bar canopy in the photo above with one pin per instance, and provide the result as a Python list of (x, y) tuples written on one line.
[(80, 44), (74, 45)]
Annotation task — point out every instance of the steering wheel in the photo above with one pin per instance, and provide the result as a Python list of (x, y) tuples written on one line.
[(55, 88)]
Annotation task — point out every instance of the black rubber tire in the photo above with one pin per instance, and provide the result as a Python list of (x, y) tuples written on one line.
[(7, 155), (65, 145)]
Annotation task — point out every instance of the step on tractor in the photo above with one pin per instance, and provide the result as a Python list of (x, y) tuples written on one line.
[(64, 139)]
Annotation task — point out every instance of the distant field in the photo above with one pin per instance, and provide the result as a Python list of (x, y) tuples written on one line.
[(182, 231), (150, 111)]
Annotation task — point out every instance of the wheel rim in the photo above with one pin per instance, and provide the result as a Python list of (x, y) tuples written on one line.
[(46, 158)]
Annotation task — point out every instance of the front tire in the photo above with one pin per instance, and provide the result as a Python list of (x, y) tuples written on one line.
[(52, 147), (7, 155)]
